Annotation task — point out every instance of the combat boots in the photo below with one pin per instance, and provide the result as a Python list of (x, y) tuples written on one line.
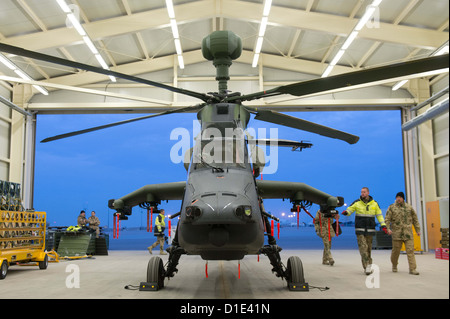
[(413, 272)]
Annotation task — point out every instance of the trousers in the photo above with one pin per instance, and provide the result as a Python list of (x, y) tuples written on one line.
[(396, 248), (365, 249)]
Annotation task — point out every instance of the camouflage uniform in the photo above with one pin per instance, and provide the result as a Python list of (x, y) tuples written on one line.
[(81, 221), (324, 230), (400, 217), (94, 222)]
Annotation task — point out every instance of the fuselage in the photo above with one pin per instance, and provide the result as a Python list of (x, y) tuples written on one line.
[(220, 213)]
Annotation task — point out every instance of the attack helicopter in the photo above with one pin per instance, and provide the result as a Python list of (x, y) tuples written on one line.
[(221, 215)]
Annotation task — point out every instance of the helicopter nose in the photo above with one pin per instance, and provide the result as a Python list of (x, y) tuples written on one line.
[(219, 208)]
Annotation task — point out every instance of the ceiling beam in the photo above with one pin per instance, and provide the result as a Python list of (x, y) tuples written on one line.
[(233, 9)]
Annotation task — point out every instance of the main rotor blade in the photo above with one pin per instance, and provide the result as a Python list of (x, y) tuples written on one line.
[(286, 120), (357, 79), (77, 65), (101, 127)]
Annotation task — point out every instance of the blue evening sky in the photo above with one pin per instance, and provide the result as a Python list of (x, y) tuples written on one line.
[(85, 171)]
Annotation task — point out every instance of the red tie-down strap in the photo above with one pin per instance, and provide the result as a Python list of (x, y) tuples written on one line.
[(170, 228), (116, 226), (329, 229), (151, 219), (148, 220), (271, 228), (278, 228)]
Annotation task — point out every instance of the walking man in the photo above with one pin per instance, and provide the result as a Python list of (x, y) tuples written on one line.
[(366, 209), (400, 217)]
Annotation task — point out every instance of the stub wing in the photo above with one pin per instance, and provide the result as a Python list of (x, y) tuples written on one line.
[(296, 192), (149, 194)]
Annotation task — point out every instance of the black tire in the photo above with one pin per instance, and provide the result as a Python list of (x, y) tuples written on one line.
[(44, 264), (155, 271), (4, 269), (295, 270)]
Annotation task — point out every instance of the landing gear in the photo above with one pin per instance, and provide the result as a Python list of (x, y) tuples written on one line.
[(295, 276), (155, 272), (155, 269)]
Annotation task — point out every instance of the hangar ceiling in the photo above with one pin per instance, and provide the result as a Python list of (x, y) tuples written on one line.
[(135, 37)]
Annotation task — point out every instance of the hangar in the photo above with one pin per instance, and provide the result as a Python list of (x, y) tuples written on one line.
[(292, 41)]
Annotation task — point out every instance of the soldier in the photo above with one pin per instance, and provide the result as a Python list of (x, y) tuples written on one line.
[(400, 217), (94, 222), (160, 226), (81, 220), (366, 209), (322, 225)]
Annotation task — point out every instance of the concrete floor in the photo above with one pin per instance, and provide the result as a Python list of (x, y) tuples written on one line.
[(106, 276)]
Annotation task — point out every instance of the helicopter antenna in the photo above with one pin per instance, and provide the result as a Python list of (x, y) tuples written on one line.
[(222, 47)]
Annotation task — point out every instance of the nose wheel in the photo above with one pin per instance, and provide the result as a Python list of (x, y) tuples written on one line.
[(155, 272), (294, 274)]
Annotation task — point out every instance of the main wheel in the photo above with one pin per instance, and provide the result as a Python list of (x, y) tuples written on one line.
[(155, 271), (295, 270), (44, 264), (3, 269)]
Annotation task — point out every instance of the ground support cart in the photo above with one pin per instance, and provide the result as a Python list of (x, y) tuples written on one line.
[(22, 239)]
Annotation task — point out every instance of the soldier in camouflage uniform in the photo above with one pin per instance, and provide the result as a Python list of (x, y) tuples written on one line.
[(82, 220), (94, 223), (324, 230), (400, 217)]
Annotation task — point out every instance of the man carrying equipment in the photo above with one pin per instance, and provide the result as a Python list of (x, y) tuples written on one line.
[(160, 226), (366, 209)]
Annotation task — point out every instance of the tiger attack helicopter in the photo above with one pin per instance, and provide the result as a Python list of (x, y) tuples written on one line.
[(221, 214)]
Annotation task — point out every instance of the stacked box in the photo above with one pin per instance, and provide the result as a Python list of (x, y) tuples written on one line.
[(445, 253), (444, 238), (438, 253)]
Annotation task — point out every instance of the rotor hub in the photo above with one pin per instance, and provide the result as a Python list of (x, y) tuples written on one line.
[(222, 47)]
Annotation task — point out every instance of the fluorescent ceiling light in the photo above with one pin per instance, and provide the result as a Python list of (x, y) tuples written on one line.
[(442, 50), (399, 85), (366, 17), (263, 26), (175, 33), (181, 61), (76, 24), (178, 46), (337, 57), (327, 71), (262, 31), (349, 40), (64, 6), (90, 45), (267, 7), (6, 62), (173, 25), (170, 9), (10, 65), (255, 60), (361, 23), (259, 44)]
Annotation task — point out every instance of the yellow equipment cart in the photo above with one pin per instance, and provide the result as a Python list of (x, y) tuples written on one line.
[(22, 239)]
